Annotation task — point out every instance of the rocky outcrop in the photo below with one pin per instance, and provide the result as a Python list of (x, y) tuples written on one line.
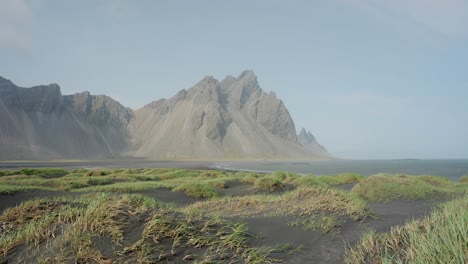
[(99, 110), (231, 119), (308, 140), (44, 98)]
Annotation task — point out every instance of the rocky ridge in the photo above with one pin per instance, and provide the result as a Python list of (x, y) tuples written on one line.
[(231, 119)]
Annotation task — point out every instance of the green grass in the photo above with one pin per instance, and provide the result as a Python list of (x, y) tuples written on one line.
[(343, 178), (4, 173), (389, 188), (464, 179), (98, 173), (63, 230), (303, 205), (197, 190), (248, 179), (308, 181), (122, 187), (268, 183), (440, 238), (11, 189), (42, 171), (218, 183), (34, 224)]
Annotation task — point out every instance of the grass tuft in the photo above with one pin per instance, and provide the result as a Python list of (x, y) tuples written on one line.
[(268, 183), (197, 190), (343, 178), (440, 238), (464, 179), (389, 188), (42, 171), (97, 173)]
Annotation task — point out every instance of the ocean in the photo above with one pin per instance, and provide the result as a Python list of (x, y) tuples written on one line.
[(452, 169)]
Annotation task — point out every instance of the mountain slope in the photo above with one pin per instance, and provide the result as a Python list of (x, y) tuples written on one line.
[(40, 123), (306, 139), (232, 119)]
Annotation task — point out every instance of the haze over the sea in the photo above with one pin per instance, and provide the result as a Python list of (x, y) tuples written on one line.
[(369, 78)]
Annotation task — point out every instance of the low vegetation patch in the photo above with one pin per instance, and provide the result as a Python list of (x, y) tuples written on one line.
[(11, 189), (122, 187), (440, 238), (42, 171), (99, 224), (344, 178), (66, 226), (464, 179), (388, 188), (301, 204), (98, 173), (84, 229), (268, 183), (169, 235), (197, 190), (308, 181)]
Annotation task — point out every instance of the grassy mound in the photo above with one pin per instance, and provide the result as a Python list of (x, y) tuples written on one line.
[(388, 188), (100, 224), (268, 183), (101, 229), (197, 190), (313, 208), (440, 238), (43, 171), (343, 178), (464, 179)]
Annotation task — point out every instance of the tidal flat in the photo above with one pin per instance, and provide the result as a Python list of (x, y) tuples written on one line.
[(169, 215)]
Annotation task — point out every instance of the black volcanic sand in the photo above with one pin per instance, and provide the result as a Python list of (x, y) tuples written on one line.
[(236, 188), (168, 196), (327, 248), (110, 164), (12, 200), (315, 247)]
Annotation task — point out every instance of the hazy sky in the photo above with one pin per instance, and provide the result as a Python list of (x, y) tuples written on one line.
[(369, 78)]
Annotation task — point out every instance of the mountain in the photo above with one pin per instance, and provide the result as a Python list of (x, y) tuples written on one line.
[(231, 119), (41, 123), (306, 139)]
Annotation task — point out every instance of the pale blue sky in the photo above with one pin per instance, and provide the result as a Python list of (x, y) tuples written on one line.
[(369, 78)]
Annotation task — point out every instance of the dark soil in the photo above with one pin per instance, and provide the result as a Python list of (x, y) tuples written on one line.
[(316, 246), (53, 176), (398, 212), (236, 188), (345, 186), (328, 248), (168, 196), (12, 200)]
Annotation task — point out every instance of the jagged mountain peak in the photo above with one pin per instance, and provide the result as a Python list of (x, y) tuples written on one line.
[(231, 119), (227, 82), (305, 136), (303, 133), (247, 74), (102, 110), (209, 82), (308, 140), (4, 81)]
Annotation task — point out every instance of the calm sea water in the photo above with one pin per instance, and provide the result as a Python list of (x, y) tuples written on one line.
[(452, 169)]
